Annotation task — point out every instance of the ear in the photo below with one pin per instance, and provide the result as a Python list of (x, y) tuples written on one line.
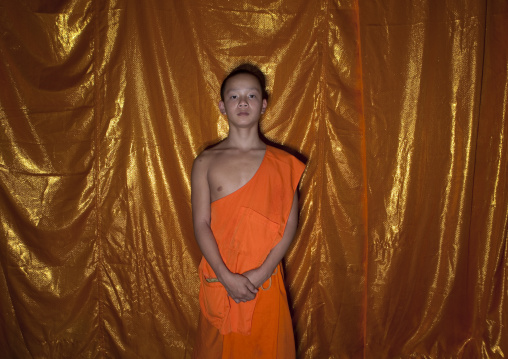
[(222, 108), (263, 108)]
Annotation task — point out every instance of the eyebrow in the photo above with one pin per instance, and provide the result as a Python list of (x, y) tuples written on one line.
[(251, 88)]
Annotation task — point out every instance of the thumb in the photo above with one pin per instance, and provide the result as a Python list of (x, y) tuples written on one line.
[(252, 287)]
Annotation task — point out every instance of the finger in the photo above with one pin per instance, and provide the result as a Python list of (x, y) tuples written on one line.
[(248, 297), (252, 287)]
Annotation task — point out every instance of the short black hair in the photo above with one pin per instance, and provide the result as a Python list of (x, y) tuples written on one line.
[(246, 68)]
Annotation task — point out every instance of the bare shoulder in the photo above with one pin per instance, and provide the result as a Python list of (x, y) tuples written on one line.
[(208, 157), (202, 162)]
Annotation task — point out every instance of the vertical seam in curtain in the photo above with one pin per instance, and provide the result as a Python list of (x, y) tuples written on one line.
[(96, 174), (321, 130), (473, 172), (323, 42), (363, 149)]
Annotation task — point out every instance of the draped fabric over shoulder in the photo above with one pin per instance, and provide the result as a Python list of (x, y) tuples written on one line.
[(247, 224)]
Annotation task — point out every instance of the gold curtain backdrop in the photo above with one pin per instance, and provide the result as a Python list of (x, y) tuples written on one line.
[(399, 107)]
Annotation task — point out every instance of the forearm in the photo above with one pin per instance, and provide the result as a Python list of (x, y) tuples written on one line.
[(276, 254), (210, 250), (239, 288)]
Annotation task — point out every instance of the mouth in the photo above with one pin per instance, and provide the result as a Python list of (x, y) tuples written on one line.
[(242, 114)]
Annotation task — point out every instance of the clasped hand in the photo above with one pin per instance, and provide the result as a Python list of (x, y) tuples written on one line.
[(239, 288), (243, 287)]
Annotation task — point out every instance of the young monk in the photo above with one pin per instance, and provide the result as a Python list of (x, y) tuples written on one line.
[(245, 214)]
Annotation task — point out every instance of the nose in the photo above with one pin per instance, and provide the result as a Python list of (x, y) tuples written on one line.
[(242, 102)]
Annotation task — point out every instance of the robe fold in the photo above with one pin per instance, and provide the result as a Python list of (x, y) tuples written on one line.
[(247, 224)]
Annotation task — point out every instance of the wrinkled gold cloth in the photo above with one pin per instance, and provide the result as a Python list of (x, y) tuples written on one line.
[(400, 108)]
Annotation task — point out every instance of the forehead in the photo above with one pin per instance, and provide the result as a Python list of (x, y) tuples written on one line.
[(242, 81)]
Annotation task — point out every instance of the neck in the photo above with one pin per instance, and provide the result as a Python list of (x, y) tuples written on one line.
[(244, 138)]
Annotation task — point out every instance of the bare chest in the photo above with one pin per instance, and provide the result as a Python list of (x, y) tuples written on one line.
[(229, 173)]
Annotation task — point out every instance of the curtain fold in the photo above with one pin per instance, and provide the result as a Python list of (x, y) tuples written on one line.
[(399, 109)]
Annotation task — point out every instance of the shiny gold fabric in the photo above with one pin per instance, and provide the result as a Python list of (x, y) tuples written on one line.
[(399, 106)]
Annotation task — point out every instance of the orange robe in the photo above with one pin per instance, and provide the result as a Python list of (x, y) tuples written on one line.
[(247, 224)]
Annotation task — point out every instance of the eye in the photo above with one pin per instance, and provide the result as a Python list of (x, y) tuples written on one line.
[(252, 96), (234, 97)]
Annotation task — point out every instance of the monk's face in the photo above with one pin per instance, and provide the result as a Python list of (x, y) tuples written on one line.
[(243, 103)]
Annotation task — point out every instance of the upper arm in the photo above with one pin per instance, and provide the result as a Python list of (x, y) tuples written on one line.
[(293, 214), (292, 222), (200, 191)]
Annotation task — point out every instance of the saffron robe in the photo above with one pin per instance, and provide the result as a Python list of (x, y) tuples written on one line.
[(246, 225)]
